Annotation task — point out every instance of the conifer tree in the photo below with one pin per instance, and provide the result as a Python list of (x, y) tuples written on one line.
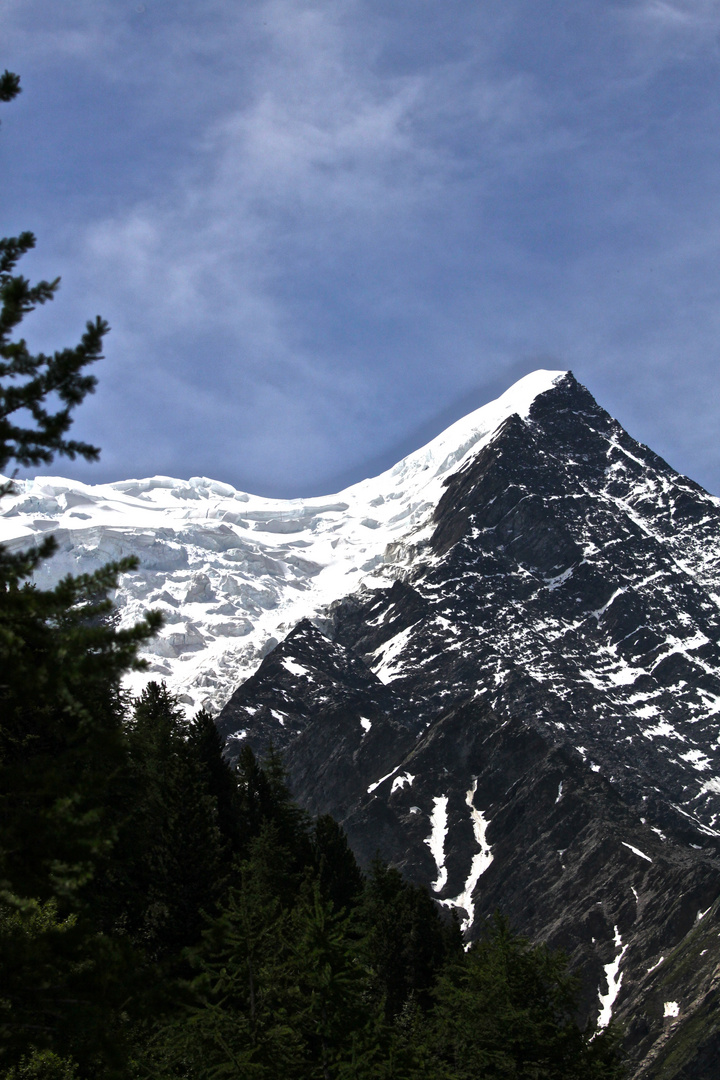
[(240, 1023), (339, 876), (263, 797), (61, 736), (171, 860), (405, 942), (60, 661), (204, 737), (27, 381), (325, 981), (507, 1009)]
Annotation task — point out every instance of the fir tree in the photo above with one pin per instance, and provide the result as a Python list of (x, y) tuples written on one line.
[(171, 860), (239, 1024), (405, 941), (507, 1009), (264, 797), (61, 736), (60, 661), (221, 781), (27, 381), (339, 876), (326, 981)]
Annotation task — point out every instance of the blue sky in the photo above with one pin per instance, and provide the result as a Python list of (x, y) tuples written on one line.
[(322, 231)]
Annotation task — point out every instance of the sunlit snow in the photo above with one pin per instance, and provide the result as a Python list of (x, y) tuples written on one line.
[(436, 840), (401, 781), (386, 665), (613, 977), (382, 780), (293, 668), (636, 851), (662, 729), (480, 862), (697, 759)]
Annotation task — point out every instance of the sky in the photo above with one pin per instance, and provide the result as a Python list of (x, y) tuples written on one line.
[(323, 230)]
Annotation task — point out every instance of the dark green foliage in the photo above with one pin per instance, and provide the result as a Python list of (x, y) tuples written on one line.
[(288, 984), (506, 1010), (43, 1065), (264, 796), (9, 85), (61, 736), (170, 859), (239, 1023), (207, 746), (326, 983), (62, 746), (33, 969), (64, 987), (338, 874), (27, 381), (279, 987), (60, 660), (405, 942)]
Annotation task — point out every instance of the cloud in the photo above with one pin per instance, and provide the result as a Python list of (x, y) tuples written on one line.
[(672, 31), (680, 14), (87, 31), (313, 225), (322, 160)]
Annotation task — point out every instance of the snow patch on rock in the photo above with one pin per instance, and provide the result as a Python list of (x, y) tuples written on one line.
[(436, 840), (613, 978)]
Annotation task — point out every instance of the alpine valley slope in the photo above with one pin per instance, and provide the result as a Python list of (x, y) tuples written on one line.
[(500, 670)]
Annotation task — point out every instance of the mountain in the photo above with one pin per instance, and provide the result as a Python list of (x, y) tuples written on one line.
[(233, 573), (527, 718), (497, 664)]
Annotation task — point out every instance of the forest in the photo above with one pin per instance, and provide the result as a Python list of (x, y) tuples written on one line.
[(164, 914)]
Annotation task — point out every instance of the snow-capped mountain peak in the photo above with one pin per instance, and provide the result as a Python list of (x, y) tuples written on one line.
[(233, 572), (528, 716)]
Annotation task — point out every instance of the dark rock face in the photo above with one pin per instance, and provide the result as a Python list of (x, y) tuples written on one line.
[(317, 701), (530, 720), (301, 678)]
